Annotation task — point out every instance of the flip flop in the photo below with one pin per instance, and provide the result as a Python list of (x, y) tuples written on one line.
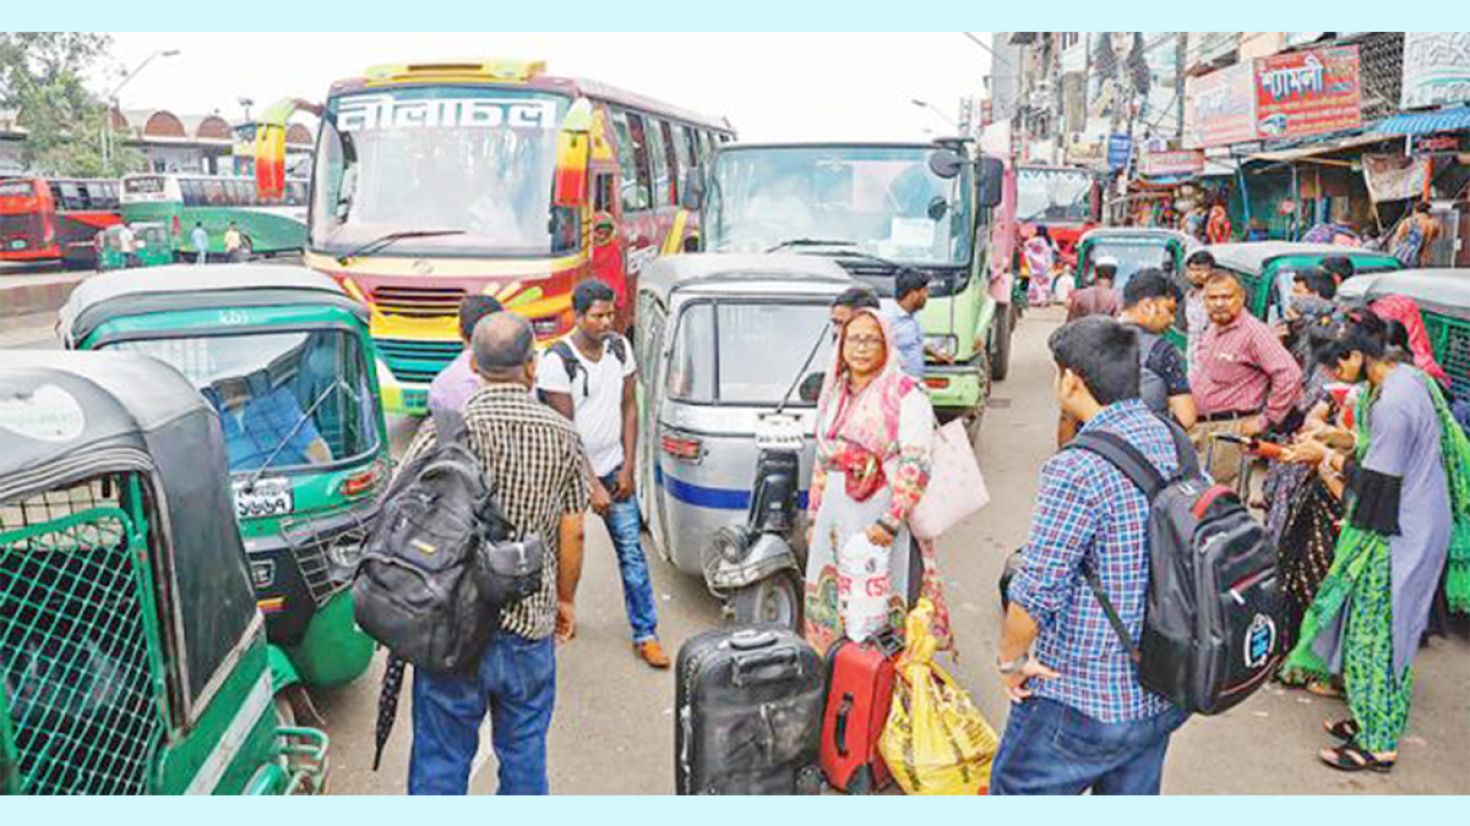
[(1350, 758), (1344, 730), (1324, 689)]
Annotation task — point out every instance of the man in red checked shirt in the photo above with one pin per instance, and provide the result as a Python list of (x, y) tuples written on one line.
[(1244, 381)]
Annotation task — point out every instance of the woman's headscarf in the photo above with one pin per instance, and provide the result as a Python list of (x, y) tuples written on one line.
[(869, 419)]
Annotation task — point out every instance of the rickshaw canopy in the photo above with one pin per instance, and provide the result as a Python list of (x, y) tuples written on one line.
[(1443, 291), (180, 287)]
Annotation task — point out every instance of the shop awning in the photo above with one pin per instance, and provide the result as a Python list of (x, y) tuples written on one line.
[(1315, 149), (1423, 123)]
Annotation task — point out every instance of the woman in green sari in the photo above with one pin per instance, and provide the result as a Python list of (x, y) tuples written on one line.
[(1408, 516)]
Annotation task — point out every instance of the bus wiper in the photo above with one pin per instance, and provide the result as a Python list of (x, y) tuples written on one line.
[(394, 237), (810, 242)]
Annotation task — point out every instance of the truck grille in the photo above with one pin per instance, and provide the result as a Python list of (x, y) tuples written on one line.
[(418, 302)]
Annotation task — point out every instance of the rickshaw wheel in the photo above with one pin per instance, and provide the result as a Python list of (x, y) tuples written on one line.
[(775, 599)]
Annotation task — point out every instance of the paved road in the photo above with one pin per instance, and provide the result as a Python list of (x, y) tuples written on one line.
[(613, 729)]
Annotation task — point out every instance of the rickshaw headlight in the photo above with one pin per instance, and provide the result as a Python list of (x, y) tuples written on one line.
[(946, 344), (732, 544)]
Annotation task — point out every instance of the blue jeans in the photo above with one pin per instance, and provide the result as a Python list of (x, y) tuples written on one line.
[(1051, 748), (624, 525), (516, 683)]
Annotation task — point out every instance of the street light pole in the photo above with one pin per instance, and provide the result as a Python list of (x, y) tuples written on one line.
[(922, 104), (112, 103)]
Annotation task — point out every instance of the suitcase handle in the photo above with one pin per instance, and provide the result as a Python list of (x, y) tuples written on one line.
[(766, 667), (840, 728), (749, 639)]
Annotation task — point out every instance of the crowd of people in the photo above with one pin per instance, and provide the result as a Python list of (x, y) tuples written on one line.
[(1366, 499)]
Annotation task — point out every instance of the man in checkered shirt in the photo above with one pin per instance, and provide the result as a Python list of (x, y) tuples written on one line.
[(534, 459), (1079, 718)]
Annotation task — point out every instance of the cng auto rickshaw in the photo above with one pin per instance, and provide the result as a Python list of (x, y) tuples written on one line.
[(285, 357), (1443, 296), (132, 657), (1134, 248), (152, 247), (1266, 268), (730, 350)]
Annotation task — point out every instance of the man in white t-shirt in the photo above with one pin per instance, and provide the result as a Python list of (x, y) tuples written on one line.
[(588, 377)]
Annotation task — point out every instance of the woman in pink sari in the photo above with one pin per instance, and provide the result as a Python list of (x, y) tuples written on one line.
[(875, 428)]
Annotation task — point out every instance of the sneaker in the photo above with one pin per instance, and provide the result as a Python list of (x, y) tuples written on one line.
[(652, 653)]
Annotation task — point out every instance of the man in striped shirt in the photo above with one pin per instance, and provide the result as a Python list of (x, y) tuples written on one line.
[(1244, 379), (533, 459)]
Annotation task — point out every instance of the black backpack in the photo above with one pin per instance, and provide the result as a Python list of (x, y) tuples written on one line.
[(441, 560), (1212, 631), (573, 365)]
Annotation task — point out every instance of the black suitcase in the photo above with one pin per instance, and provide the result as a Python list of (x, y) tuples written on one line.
[(748, 713)]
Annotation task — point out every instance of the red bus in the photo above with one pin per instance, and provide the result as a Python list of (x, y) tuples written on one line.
[(434, 181), (51, 220), (1066, 200)]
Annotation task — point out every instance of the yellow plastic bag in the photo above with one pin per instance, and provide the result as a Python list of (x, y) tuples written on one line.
[(936, 741)]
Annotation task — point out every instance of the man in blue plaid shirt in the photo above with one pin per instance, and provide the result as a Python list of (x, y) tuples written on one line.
[(1079, 718)]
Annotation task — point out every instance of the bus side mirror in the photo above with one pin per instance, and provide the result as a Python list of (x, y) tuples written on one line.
[(270, 160), (992, 175), (691, 194)]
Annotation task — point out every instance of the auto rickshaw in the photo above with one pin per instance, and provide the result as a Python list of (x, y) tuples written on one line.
[(132, 657), (730, 349), (152, 245), (1443, 296), (1134, 248), (285, 357), (1266, 268)]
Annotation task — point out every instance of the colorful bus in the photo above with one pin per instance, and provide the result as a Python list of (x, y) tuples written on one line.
[(1066, 200), (434, 181), (268, 226), (54, 220)]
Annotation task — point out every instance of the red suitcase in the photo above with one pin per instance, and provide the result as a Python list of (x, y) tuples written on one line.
[(859, 694)]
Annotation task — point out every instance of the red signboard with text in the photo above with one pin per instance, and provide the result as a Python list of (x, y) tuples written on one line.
[(1308, 93)]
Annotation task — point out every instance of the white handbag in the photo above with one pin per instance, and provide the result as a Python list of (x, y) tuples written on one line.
[(956, 487)]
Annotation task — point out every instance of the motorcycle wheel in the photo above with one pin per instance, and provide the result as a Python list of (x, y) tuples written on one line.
[(775, 600)]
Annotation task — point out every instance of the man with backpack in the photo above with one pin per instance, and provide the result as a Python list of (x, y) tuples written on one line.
[(1080, 719), (532, 460), (589, 378), (1150, 300)]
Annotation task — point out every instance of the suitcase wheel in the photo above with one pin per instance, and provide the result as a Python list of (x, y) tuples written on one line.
[(810, 781)]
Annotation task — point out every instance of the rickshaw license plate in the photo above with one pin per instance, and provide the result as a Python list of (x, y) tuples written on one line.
[(17, 244), (269, 497)]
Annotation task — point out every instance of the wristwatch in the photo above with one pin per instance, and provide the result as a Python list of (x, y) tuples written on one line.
[(1008, 668)]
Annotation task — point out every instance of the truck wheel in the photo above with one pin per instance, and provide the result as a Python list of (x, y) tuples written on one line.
[(775, 600), (1000, 357)]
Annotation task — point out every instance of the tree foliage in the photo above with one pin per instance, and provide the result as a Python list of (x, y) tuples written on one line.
[(41, 79)]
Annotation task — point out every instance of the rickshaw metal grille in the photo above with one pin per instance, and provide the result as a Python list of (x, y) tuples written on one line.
[(76, 682), (1450, 338), (314, 551)]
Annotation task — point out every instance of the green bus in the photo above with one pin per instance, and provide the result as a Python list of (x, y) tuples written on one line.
[(180, 201)]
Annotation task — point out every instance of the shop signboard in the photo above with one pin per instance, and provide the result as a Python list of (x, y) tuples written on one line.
[(1224, 107), (1436, 69), (1176, 162), (1308, 93), (1120, 147)]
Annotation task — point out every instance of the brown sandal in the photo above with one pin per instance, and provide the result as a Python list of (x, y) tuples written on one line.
[(1344, 730)]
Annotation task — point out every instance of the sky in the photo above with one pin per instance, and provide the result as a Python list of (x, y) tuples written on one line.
[(772, 87)]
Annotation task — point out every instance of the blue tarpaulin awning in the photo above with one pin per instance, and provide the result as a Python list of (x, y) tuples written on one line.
[(1423, 123)]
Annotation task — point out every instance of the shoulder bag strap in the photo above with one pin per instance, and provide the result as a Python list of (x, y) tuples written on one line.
[(1112, 614), (1126, 458)]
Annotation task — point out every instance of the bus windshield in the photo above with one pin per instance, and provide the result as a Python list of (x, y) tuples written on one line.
[(478, 161), (290, 399), (1060, 195), (879, 200)]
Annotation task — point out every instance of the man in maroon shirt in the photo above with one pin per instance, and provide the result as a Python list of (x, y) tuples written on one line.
[(1099, 299), (1244, 381)]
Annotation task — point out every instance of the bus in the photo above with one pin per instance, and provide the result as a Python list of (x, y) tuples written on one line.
[(1066, 200), (54, 220), (268, 226), (431, 182)]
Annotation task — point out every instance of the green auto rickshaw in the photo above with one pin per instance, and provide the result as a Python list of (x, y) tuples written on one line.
[(1266, 268), (1134, 249), (1443, 296), (286, 359), (132, 657), (152, 247)]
